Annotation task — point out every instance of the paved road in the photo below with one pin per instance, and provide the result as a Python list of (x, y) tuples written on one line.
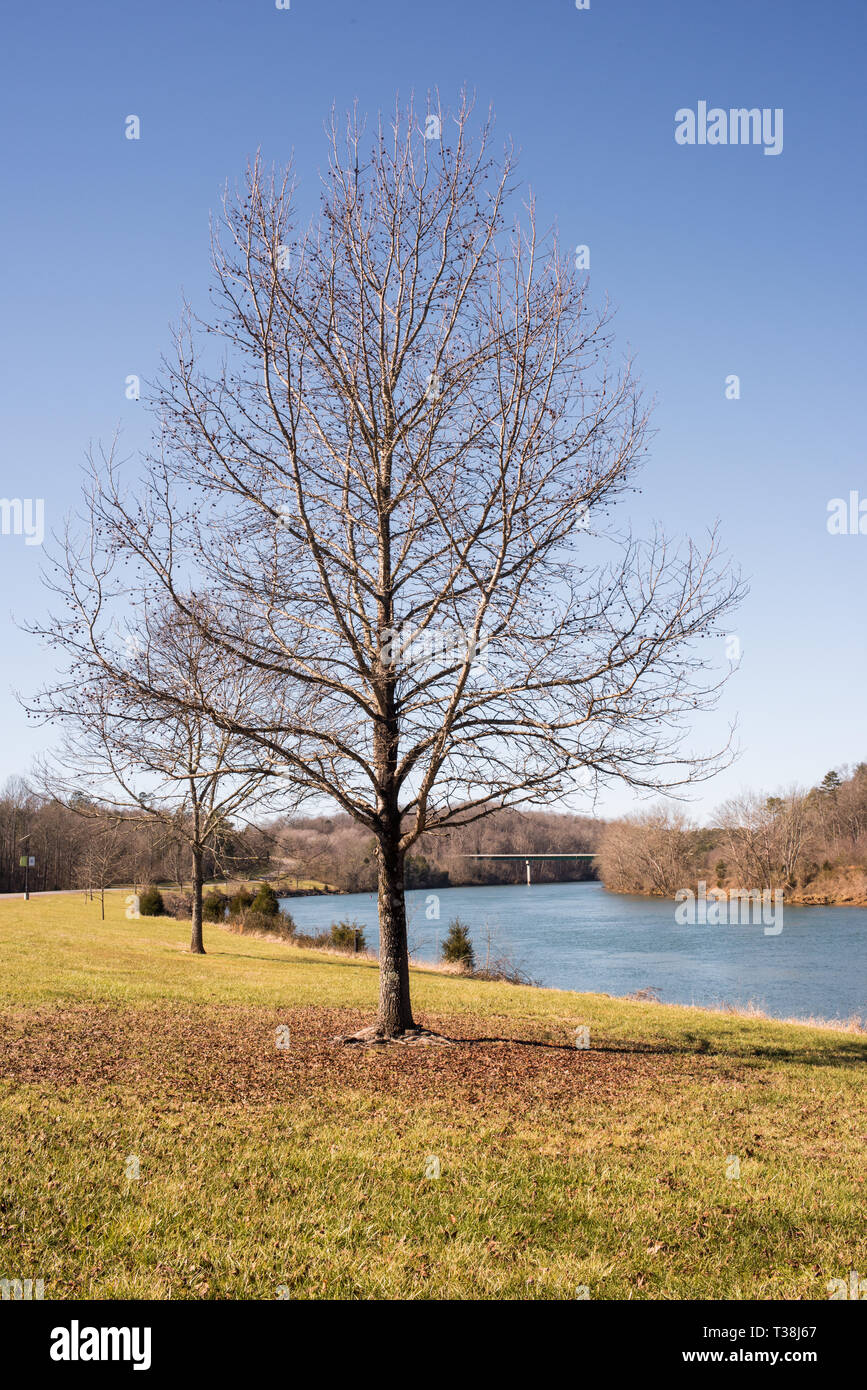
[(62, 892)]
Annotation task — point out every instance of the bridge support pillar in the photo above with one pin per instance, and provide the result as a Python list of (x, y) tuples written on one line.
[(528, 871)]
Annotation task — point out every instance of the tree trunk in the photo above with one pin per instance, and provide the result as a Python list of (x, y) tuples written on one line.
[(395, 1013), (196, 944)]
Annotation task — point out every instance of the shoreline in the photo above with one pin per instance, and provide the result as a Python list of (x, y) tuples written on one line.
[(791, 898), (855, 1025), (796, 897)]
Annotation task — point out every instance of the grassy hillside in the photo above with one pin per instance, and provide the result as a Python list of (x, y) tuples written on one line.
[(307, 1170)]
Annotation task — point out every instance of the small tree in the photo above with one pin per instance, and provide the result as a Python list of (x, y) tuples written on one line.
[(101, 856), (457, 949), (266, 901), (214, 906), (137, 729), (150, 903), (240, 902), (349, 936)]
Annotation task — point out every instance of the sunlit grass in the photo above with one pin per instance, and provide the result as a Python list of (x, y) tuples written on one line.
[(326, 1194)]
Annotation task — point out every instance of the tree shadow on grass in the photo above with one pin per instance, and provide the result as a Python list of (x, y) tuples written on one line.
[(695, 1046), (854, 1053), (648, 1049)]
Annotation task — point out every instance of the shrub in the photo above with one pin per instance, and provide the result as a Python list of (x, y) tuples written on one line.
[(279, 924), (505, 971), (150, 903), (266, 901), (318, 941), (179, 905), (240, 901), (249, 922), (457, 948), (283, 924), (341, 937), (214, 906), (347, 936)]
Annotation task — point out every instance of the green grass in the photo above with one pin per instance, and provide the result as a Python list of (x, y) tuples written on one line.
[(306, 1174)]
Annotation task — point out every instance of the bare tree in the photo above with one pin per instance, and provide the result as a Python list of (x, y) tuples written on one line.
[(103, 855), (653, 851), (764, 835), (137, 737), (397, 477), (749, 839), (851, 806), (791, 816)]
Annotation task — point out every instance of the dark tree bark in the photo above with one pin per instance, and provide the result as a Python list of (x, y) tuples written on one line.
[(197, 947), (395, 1013)]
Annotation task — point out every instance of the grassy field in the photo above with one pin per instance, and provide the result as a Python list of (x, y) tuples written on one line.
[(157, 1142)]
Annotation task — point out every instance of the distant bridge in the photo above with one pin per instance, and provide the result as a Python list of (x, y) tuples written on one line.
[(527, 858)]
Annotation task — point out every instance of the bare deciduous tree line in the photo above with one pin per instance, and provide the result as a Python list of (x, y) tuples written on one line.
[(755, 840), (93, 852), (339, 851)]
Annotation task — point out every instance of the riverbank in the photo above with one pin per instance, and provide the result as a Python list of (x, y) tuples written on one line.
[(841, 886), (855, 1024), (580, 937)]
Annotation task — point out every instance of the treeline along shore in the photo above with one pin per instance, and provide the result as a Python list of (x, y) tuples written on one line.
[(811, 843)]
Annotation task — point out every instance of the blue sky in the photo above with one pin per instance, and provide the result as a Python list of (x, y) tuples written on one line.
[(720, 260)]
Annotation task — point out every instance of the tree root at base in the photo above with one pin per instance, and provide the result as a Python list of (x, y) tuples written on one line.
[(373, 1036)]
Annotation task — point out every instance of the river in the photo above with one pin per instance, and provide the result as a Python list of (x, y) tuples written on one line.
[(578, 936)]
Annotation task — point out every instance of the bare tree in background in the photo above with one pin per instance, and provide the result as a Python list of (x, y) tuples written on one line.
[(102, 856), (791, 816), (764, 835), (653, 851), (137, 739), (392, 452)]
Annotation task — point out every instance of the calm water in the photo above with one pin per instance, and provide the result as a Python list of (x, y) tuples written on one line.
[(577, 936)]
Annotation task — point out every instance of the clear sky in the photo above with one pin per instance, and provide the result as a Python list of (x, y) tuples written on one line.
[(720, 259)]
